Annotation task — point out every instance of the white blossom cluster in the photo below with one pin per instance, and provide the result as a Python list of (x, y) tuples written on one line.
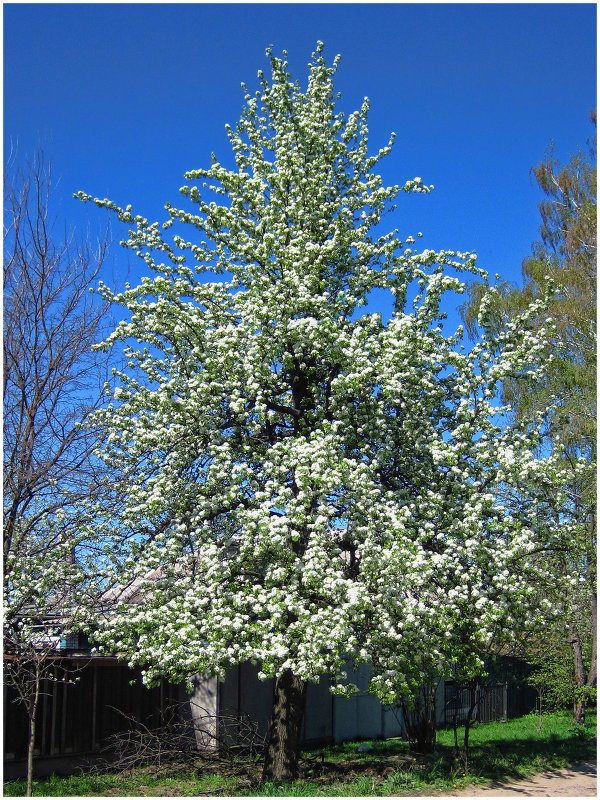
[(301, 483)]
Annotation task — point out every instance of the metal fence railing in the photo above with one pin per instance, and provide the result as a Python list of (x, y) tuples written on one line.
[(491, 702)]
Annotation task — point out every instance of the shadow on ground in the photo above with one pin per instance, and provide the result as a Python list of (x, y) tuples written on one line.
[(494, 760)]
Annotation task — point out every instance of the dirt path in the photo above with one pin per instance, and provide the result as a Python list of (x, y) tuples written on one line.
[(577, 781)]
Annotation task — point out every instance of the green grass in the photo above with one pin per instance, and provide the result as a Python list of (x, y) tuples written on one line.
[(499, 751), (143, 782)]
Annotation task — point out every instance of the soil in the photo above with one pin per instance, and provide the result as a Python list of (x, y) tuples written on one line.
[(576, 781)]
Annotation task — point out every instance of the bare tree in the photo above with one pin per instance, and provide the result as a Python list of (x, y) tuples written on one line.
[(52, 382)]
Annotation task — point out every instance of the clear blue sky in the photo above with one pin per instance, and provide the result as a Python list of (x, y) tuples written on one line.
[(126, 97)]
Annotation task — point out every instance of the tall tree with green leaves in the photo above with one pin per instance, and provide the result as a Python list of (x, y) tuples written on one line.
[(304, 482), (566, 258)]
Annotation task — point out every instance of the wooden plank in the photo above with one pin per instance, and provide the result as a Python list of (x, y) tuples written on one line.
[(44, 699), (94, 704), (53, 714), (63, 730)]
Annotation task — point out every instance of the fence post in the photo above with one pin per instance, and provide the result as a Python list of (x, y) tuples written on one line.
[(505, 702), (94, 703)]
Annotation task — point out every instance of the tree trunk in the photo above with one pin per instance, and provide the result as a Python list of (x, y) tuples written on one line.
[(455, 701), (283, 743), (578, 711), (579, 702), (31, 733), (420, 722), (475, 697), (455, 729)]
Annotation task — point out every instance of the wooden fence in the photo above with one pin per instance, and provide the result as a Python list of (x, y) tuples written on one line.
[(76, 718)]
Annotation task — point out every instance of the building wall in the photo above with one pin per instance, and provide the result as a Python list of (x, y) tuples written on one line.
[(362, 716), (327, 717), (318, 717)]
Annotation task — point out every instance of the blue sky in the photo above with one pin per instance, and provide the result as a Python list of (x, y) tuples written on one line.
[(126, 97)]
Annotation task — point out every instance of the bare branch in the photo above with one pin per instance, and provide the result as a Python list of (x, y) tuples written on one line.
[(52, 382)]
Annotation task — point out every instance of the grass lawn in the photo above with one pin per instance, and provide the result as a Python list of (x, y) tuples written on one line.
[(498, 750)]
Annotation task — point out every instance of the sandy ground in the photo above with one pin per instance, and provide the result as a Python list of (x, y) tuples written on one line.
[(577, 781)]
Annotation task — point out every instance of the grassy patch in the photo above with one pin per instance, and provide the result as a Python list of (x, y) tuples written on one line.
[(509, 750), (149, 782)]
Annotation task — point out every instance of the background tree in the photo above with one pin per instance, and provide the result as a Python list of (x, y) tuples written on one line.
[(565, 256), (52, 382), (304, 483)]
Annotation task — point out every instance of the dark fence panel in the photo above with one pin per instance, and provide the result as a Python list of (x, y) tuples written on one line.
[(78, 716), (492, 703), (522, 699), (498, 701)]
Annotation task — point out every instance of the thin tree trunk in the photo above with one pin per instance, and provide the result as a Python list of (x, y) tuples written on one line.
[(283, 743), (593, 671), (579, 702), (32, 725), (475, 692), (584, 684), (456, 702), (455, 729)]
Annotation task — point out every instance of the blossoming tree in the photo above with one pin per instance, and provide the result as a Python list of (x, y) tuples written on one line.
[(303, 483)]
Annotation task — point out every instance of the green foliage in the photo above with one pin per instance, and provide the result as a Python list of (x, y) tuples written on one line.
[(554, 674), (563, 262)]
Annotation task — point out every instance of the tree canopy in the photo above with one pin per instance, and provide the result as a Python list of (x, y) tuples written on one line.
[(304, 482)]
